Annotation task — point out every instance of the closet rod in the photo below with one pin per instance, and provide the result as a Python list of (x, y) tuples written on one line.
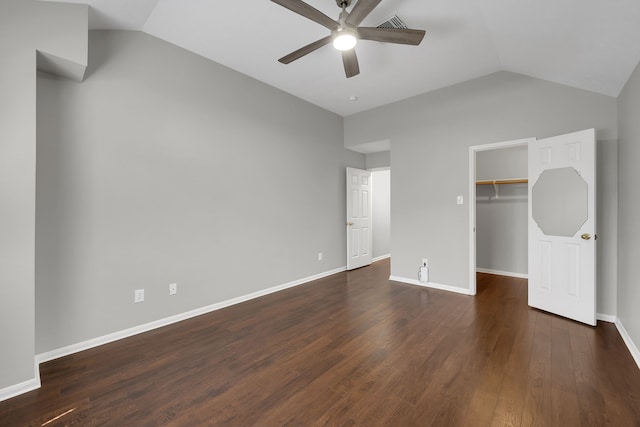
[(504, 181)]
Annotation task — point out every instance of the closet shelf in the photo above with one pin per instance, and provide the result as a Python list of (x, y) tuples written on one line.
[(497, 182), (503, 181)]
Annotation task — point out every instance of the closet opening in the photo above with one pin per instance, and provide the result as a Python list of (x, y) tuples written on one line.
[(498, 210)]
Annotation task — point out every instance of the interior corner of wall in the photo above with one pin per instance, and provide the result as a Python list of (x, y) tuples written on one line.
[(53, 64)]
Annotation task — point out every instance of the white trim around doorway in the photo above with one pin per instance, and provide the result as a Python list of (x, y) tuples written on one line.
[(472, 200)]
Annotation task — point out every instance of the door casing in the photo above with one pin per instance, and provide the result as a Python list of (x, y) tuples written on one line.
[(472, 200)]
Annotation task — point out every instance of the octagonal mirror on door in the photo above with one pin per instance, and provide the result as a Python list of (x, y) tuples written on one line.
[(560, 199)]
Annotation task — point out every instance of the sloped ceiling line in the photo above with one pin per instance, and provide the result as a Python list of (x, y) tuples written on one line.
[(587, 44)]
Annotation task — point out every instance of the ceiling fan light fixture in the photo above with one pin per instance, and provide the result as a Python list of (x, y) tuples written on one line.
[(345, 40), (346, 31)]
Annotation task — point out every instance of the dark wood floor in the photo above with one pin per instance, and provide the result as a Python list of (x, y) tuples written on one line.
[(350, 349)]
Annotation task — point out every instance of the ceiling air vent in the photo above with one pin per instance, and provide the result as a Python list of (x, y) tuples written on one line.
[(393, 22)]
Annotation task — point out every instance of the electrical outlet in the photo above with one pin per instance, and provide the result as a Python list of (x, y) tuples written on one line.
[(460, 200), (173, 288), (319, 256), (425, 262), (138, 295)]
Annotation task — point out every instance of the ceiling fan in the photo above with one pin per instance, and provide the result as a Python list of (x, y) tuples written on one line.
[(345, 32)]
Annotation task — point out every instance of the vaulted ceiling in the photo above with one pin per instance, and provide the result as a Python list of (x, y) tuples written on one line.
[(588, 44)]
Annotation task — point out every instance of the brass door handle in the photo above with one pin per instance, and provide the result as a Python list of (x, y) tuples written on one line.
[(586, 236), (349, 223)]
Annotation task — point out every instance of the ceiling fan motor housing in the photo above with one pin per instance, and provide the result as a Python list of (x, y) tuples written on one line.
[(343, 3)]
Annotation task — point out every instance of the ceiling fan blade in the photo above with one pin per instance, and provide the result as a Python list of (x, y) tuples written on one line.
[(305, 50), (361, 10), (301, 8), (391, 35), (350, 61)]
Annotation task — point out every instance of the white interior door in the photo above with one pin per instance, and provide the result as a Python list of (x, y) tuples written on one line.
[(562, 225), (358, 218)]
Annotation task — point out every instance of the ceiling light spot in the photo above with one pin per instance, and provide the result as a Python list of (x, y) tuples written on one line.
[(345, 40), (353, 98)]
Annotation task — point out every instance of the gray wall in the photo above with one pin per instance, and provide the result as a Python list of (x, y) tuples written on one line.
[(381, 159), (430, 137), (381, 215), (502, 163), (501, 223), (629, 207), (165, 167), (24, 27)]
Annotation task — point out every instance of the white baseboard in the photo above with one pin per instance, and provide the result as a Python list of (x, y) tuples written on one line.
[(95, 342), (448, 288), (606, 317), (635, 353), (381, 257), (502, 273), (23, 387)]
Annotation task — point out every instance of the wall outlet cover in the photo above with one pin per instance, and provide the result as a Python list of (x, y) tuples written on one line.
[(138, 295)]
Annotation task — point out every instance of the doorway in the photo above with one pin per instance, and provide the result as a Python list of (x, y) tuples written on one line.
[(381, 211), (378, 163), (368, 216), (561, 222), (507, 175)]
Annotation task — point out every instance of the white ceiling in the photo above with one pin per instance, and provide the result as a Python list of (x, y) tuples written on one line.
[(587, 44)]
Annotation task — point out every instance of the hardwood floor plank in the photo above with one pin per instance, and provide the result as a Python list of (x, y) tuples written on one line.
[(590, 399), (564, 399), (487, 375), (537, 407), (352, 349), (509, 407)]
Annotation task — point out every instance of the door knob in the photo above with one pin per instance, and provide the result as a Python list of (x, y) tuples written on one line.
[(349, 223), (586, 236)]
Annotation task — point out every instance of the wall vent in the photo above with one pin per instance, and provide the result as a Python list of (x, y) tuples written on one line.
[(393, 22)]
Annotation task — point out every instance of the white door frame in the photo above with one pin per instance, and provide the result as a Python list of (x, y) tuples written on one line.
[(472, 200)]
